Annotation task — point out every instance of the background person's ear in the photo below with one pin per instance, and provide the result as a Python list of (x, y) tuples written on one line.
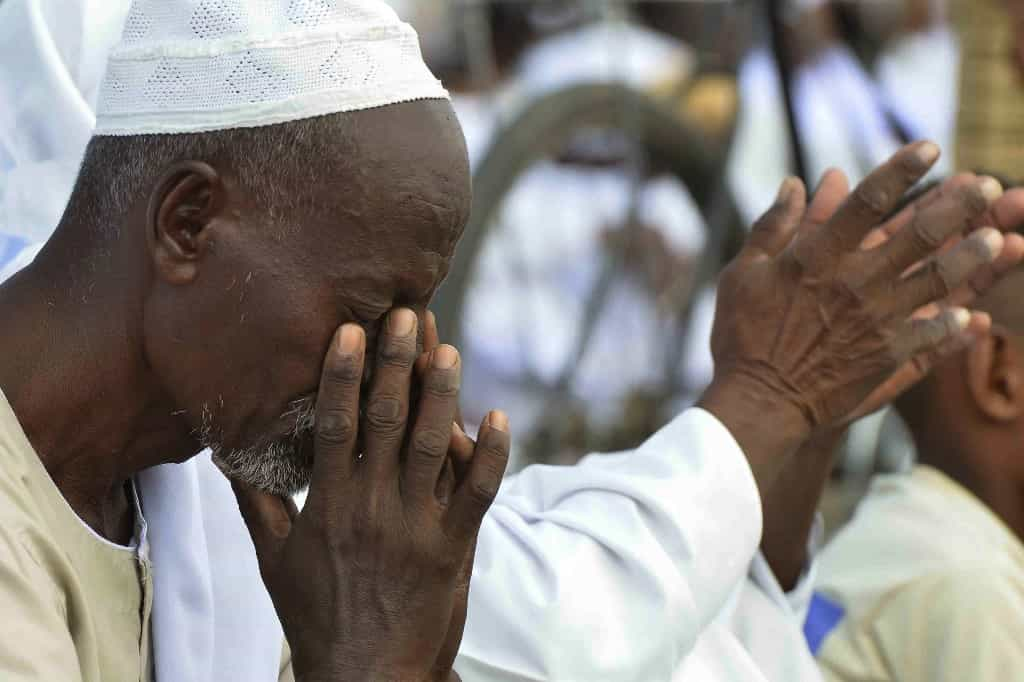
[(186, 199), (995, 375)]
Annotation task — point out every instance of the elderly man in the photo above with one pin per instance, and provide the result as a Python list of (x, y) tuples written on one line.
[(203, 267), (942, 595)]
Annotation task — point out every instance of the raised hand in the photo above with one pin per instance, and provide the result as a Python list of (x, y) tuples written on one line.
[(365, 578), (809, 323)]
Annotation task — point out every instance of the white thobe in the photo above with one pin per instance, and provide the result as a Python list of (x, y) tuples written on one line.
[(633, 566)]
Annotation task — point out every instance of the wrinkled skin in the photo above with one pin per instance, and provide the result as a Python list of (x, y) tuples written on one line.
[(382, 236), (205, 320), (810, 325)]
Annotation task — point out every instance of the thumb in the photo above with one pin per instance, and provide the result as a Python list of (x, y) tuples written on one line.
[(268, 518)]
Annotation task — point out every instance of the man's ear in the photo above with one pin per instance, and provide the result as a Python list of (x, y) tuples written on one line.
[(995, 376), (184, 202)]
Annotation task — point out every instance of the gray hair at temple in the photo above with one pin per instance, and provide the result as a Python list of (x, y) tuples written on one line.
[(273, 163)]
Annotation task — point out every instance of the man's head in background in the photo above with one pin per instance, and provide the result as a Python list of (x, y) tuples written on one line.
[(216, 260), (967, 416)]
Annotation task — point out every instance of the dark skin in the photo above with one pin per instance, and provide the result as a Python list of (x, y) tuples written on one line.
[(834, 314), (201, 304), (790, 504), (967, 419)]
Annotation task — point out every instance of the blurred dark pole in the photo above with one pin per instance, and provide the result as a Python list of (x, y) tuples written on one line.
[(785, 60)]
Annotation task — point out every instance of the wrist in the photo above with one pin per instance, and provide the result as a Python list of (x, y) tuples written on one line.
[(767, 427)]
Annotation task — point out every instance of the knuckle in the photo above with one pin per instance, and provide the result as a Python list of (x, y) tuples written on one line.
[(496, 448), (432, 442), (343, 372), (335, 427), (442, 383), (384, 413), (926, 237), (973, 199), (872, 198), (483, 491), (910, 167), (397, 351)]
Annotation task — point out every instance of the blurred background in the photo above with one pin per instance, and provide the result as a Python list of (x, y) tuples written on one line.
[(620, 150)]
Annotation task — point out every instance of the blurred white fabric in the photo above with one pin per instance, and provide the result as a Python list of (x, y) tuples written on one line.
[(53, 55), (544, 261)]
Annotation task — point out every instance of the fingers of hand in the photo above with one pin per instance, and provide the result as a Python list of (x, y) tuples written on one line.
[(432, 433), (337, 411), (431, 340), (923, 199), (944, 274), (776, 228), (387, 407), (477, 491), (925, 337), (932, 227), (866, 207), (268, 518), (1007, 213), (832, 191), (461, 451), (986, 277)]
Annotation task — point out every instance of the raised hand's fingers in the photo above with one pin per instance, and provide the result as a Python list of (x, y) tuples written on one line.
[(387, 406), (985, 277), (1006, 214), (268, 518), (337, 414), (866, 207), (432, 432), (924, 336), (476, 492), (916, 200), (830, 194), (944, 274), (776, 228), (918, 367), (931, 228)]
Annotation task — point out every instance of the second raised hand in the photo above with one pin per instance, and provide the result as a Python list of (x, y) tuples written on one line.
[(808, 323)]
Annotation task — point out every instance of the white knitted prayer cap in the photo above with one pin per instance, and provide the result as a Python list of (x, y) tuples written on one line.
[(199, 65)]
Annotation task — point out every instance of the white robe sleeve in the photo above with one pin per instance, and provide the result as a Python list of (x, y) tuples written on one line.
[(611, 570), (768, 622)]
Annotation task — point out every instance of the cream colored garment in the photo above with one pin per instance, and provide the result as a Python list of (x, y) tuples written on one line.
[(932, 583), (75, 608)]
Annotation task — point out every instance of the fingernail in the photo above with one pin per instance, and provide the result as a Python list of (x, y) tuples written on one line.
[(990, 188), (927, 153), (961, 316), (457, 430), (786, 190), (402, 322), (351, 337), (993, 240), (498, 420), (445, 357)]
